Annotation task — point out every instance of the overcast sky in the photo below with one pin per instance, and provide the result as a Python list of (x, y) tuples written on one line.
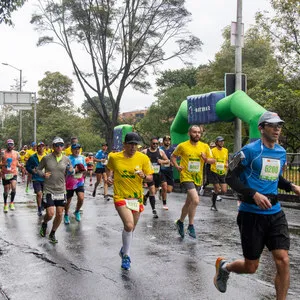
[(18, 46)]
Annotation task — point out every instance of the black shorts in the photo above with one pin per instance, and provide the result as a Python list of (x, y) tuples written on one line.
[(259, 230), (216, 178), (157, 180), (100, 170), (70, 193), (48, 201), (6, 182), (189, 185), (167, 176), (38, 186)]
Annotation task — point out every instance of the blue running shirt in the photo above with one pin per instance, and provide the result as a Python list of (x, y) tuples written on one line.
[(262, 169)]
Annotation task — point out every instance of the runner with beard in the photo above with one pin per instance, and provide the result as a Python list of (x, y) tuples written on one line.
[(193, 155), (167, 171), (157, 158)]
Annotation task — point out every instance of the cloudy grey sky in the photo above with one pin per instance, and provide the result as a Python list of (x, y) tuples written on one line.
[(18, 46)]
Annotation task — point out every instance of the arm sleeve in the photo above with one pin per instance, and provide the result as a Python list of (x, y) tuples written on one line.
[(233, 180), (284, 184)]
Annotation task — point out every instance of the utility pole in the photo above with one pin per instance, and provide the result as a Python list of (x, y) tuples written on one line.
[(238, 74)]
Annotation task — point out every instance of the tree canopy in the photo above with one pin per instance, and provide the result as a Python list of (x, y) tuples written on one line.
[(7, 7), (284, 30), (124, 41)]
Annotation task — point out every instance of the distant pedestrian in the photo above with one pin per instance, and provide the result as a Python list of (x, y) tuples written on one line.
[(37, 180), (101, 158), (167, 171), (157, 158), (90, 166), (9, 172), (219, 170), (75, 183)]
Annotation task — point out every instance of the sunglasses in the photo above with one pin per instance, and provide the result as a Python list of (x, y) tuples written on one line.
[(274, 125), (154, 143), (10, 144), (58, 145)]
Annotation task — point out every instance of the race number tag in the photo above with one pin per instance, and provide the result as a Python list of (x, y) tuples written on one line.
[(58, 196), (9, 176), (78, 175), (194, 166), (156, 168), (167, 165), (133, 204), (270, 169), (220, 166)]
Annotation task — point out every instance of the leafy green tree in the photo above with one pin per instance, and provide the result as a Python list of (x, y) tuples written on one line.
[(55, 91), (7, 7), (284, 30), (96, 124), (123, 40), (161, 114)]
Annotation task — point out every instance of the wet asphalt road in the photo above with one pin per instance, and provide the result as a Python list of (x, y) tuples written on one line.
[(85, 262)]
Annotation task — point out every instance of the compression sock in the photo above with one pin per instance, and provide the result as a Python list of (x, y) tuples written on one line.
[(152, 202), (126, 239)]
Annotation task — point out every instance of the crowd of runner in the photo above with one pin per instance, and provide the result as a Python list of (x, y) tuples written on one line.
[(138, 175)]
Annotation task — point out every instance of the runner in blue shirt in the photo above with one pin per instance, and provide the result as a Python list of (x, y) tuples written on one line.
[(101, 160), (256, 174)]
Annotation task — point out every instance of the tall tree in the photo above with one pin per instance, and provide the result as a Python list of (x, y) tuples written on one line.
[(7, 7), (284, 29), (123, 40), (55, 91)]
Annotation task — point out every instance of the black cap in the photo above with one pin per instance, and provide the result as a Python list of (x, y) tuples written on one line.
[(132, 138), (219, 139)]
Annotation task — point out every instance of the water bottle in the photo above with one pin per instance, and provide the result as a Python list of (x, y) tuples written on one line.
[(9, 162)]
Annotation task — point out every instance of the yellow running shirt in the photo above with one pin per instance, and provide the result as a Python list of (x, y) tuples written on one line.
[(29, 152), (191, 160), (128, 184), (221, 157)]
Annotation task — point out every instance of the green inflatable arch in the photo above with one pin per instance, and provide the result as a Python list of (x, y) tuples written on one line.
[(238, 104)]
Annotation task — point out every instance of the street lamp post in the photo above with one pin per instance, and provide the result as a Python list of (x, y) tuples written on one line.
[(20, 111)]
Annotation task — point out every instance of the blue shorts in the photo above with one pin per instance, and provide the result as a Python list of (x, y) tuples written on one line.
[(38, 186)]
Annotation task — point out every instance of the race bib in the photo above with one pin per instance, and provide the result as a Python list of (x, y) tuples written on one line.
[(156, 168), (78, 175), (9, 176), (270, 169), (58, 197), (220, 166), (194, 166), (167, 165), (133, 204)]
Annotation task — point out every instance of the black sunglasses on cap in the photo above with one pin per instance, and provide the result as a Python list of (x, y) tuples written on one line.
[(274, 125)]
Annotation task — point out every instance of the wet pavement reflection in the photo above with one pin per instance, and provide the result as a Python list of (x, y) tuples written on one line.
[(85, 263)]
